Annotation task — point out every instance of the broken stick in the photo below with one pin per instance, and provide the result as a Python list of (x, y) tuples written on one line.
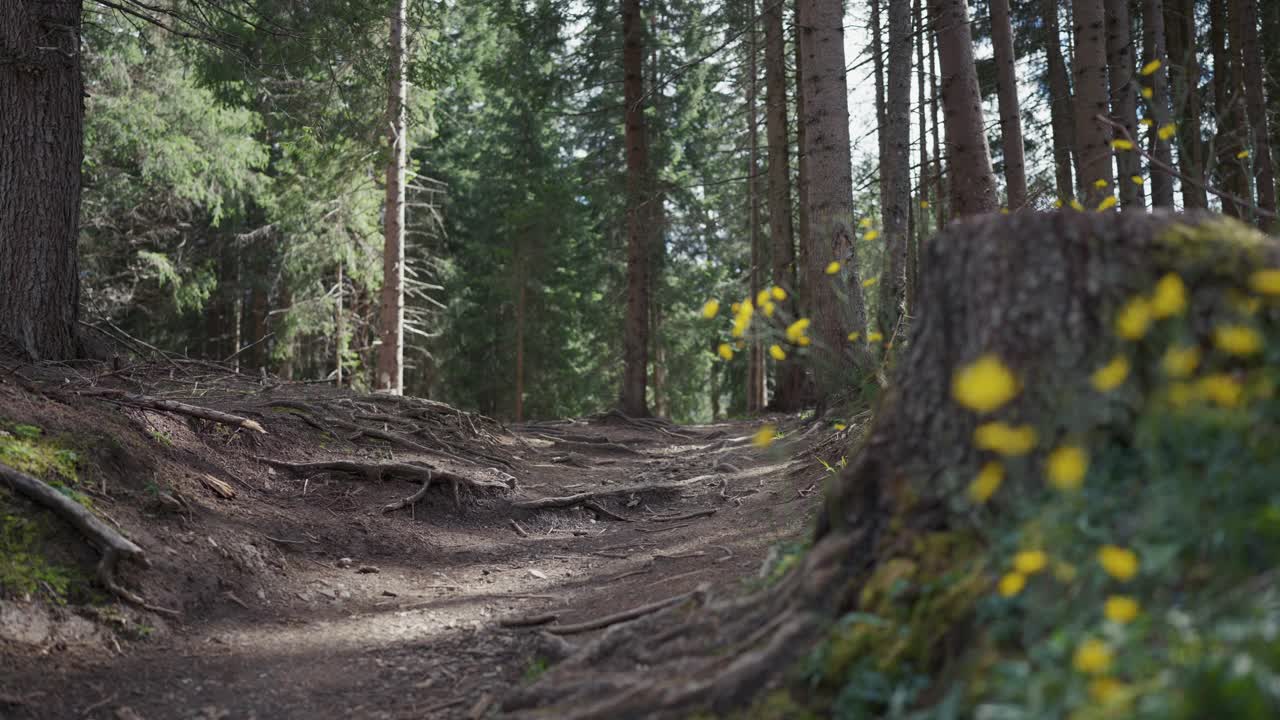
[(173, 406)]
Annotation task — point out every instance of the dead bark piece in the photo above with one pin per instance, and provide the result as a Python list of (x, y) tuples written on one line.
[(174, 406), (218, 487), (625, 615), (113, 545)]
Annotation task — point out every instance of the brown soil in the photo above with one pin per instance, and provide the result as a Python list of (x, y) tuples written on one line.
[(301, 598)]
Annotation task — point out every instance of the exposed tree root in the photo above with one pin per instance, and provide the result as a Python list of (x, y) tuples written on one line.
[(625, 615), (579, 498), (111, 543), (375, 472), (414, 498), (173, 406)]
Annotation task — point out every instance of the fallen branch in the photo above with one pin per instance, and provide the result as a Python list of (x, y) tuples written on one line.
[(111, 543), (173, 406), (519, 528), (623, 616), (686, 516)]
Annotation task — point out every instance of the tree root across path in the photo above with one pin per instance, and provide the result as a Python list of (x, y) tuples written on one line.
[(110, 543), (173, 406), (426, 473)]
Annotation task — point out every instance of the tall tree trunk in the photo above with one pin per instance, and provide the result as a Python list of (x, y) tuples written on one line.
[(636, 333), (804, 304), (895, 174), (1093, 137), (1227, 137), (1153, 49), (935, 99), (340, 327), (837, 305), (973, 184), (755, 355), (41, 148), (1184, 75), (1124, 101), (788, 374), (521, 306), (1061, 111), (1264, 172), (877, 68), (390, 376), (920, 212), (1015, 171)]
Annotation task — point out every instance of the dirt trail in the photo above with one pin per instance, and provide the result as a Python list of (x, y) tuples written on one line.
[(357, 613)]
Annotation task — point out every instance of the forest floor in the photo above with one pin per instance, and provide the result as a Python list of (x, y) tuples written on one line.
[(302, 597)]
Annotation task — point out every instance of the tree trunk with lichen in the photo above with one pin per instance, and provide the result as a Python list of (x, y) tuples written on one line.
[(1037, 290)]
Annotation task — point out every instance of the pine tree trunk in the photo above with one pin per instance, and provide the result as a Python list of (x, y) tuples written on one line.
[(390, 376), (340, 327), (1153, 49), (1061, 107), (1015, 172), (837, 306), (1093, 137), (1184, 75), (1228, 138), (803, 303), (920, 212), (935, 99), (521, 292), (973, 184), (1124, 102), (755, 356), (636, 332), (788, 375), (41, 148), (895, 175), (1264, 172), (877, 68)]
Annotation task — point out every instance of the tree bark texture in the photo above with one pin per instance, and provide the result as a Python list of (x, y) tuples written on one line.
[(1184, 75), (1093, 137), (755, 355), (1015, 171), (41, 149), (1153, 49), (1230, 134), (390, 377), (895, 173), (1264, 172), (789, 375), (1061, 106), (837, 305), (804, 304), (935, 99), (973, 184), (1122, 74), (636, 330)]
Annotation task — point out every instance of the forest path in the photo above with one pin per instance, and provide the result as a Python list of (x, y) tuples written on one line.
[(398, 615)]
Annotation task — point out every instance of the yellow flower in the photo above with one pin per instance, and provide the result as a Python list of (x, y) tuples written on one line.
[(1030, 562), (1181, 362), (1137, 179), (1066, 467), (870, 281), (762, 297), (742, 318), (797, 329), (1012, 584), (1064, 572), (1242, 154), (1120, 563), (1146, 122), (1075, 205), (1170, 296), (1151, 68), (987, 482), (1121, 144), (1004, 211), (1107, 203), (924, 204), (734, 308), (778, 294), (1166, 131), (1092, 657), (1181, 394), (777, 353), (765, 436), (711, 309), (1244, 304), (853, 336), (725, 351), (1266, 282), (1100, 183), (839, 426), (1004, 438), (1133, 319), (803, 341), (984, 385), (768, 307), (1107, 690), (1237, 339), (1222, 389), (874, 336), (833, 267), (1121, 609), (871, 235), (1057, 202), (1109, 376), (864, 223), (1148, 93)]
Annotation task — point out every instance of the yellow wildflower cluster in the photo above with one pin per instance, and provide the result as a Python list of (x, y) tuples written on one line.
[(765, 436), (1120, 563), (796, 332), (1066, 467), (1266, 282), (1092, 657), (984, 385), (1005, 439), (742, 318), (987, 482), (1237, 339), (777, 353), (1110, 376)]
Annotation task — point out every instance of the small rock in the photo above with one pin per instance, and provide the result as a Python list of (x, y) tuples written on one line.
[(368, 569), (345, 562), (538, 574)]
